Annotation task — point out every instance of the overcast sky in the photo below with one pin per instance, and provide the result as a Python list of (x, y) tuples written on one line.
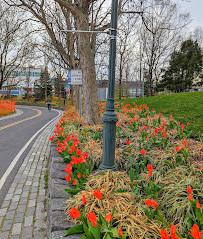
[(195, 7)]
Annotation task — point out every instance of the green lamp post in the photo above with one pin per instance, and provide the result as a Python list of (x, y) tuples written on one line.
[(110, 118)]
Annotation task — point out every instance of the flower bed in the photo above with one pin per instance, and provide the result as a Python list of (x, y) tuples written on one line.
[(158, 190), (6, 107)]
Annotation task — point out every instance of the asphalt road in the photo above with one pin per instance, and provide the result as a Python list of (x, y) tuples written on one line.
[(14, 134)]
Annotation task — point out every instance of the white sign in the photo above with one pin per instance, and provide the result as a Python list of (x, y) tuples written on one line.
[(76, 77)]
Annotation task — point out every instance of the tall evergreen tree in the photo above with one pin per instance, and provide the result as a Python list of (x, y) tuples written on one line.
[(185, 65), (40, 94)]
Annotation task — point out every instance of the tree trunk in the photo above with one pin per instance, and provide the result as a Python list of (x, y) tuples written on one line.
[(86, 53), (45, 82)]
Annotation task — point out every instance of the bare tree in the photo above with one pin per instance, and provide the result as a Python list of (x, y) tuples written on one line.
[(159, 35), (16, 45)]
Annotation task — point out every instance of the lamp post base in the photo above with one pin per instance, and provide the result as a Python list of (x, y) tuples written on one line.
[(109, 134)]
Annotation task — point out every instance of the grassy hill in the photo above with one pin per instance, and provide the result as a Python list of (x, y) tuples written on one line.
[(184, 107)]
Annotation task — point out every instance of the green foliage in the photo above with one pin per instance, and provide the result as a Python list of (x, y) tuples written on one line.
[(184, 65), (184, 107)]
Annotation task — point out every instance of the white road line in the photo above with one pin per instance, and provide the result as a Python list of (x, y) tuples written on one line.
[(12, 165)]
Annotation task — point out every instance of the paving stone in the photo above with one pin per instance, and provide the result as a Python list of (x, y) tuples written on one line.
[(21, 208), (26, 188), (6, 204), (13, 206), (4, 235), (7, 225), (19, 217), (23, 201), (28, 221), (39, 235), (3, 212), (25, 194), (33, 195), (32, 203), (10, 215), (15, 237), (11, 190), (20, 185), (1, 219), (30, 211), (16, 198), (9, 196), (16, 229), (18, 191), (27, 232)]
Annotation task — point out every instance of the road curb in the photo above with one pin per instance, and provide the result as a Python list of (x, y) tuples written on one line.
[(57, 223)]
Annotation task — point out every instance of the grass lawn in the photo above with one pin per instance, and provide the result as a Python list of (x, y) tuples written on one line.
[(184, 107)]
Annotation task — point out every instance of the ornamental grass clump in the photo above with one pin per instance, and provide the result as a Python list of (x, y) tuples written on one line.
[(116, 190)]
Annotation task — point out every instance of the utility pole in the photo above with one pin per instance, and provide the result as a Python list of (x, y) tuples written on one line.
[(110, 118)]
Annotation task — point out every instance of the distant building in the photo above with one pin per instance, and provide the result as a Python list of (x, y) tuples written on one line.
[(20, 80)]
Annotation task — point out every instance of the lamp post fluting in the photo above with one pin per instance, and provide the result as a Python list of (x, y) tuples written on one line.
[(110, 118)]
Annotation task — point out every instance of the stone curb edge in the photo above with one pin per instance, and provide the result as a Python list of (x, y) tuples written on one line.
[(57, 223)]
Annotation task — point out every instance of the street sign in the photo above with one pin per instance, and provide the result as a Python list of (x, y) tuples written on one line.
[(76, 77)]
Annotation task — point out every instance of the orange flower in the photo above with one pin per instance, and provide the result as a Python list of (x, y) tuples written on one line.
[(197, 205), (120, 232), (84, 176), (189, 190), (109, 218), (164, 234), (92, 218), (190, 198), (142, 151), (74, 213), (97, 194), (195, 232), (84, 201)]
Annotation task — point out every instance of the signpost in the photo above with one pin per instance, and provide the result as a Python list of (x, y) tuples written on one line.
[(76, 79)]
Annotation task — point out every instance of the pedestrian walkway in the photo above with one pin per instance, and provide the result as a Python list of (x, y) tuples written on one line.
[(23, 212)]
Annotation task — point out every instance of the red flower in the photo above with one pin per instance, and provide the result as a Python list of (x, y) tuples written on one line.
[(84, 176), (92, 218), (149, 167), (195, 232), (142, 151), (182, 126), (197, 205), (164, 133), (68, 178), (149, 173), (120, 232), (79, 176), (109, 218), (188, 123), (75, 182), (155, 204), (156, 130), (164, 234), (190, 198), (173, 231), (128, 142), (189, 190), (184, 142), (160, 129), (70, 151), (160, 114), (177, 149), (74, 213), (148, 202), (84, 201), (97, 194), (52, 138)]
